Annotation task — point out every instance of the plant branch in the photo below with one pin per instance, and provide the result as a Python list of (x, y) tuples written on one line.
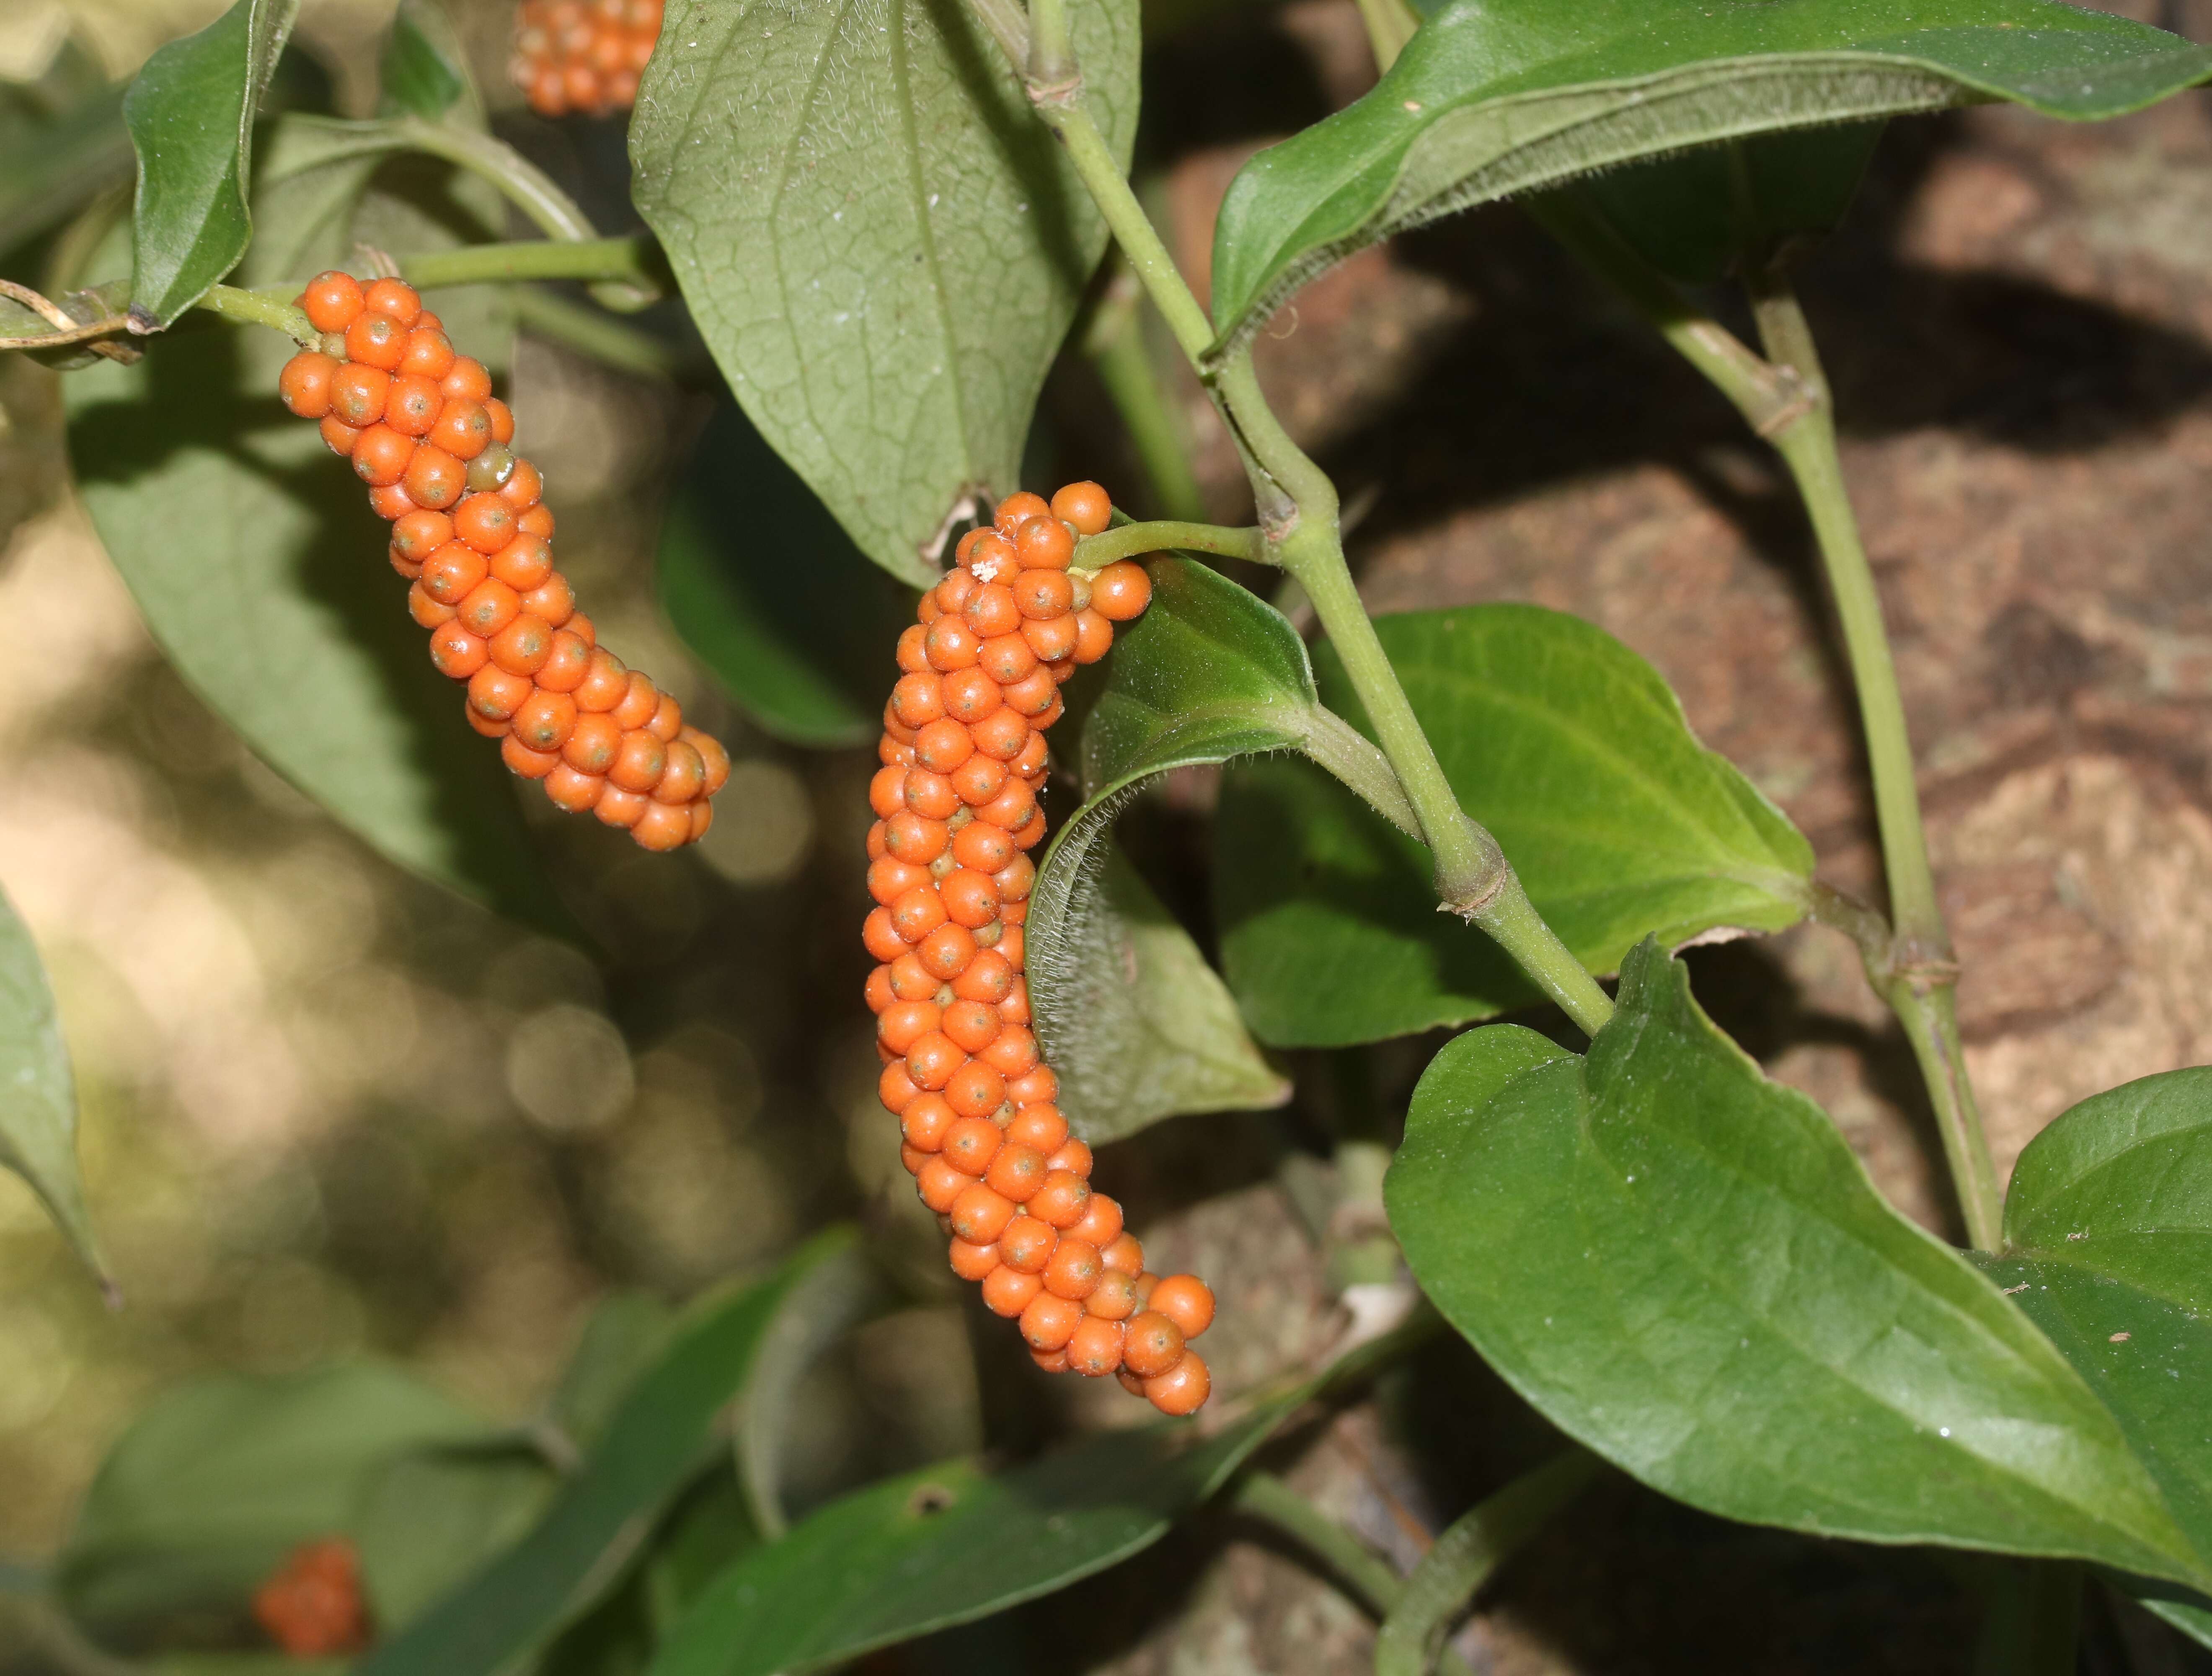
[(1390, 25), (1468, 1554), (261, 308), (1920, 976), (607, 338), (1267, 1499), (633, 259), (1299, 513), (1163, 535), (1784, 397)]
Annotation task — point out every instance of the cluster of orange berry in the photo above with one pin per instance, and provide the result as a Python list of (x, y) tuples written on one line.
[(583, 55), (310, 1606), (964, 758), (468, 530)]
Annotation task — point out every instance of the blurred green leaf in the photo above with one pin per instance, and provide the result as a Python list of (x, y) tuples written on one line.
[(1495, 97), (38, 1109), (947, 1544), (426, 69), (879, 240), (58, 161), (770, 594), (190, 114), (1567, 746), (210, 1489), (625, 1336), (1693, 217), (430, 1517), (822, 1306), (2108, 1249), (657, 1440), (1682, 1265)]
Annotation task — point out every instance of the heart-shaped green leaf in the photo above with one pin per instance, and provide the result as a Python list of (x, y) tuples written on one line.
[(948, 1545), (658, 1439), (38, 1095), (1135, 1022), (210, 1487), (880, 243), (190, 114), (1572, 751), (1493, 98), (771, 595), (2108, 1232), (1683, 1265)]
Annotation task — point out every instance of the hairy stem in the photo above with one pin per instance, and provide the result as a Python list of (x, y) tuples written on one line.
[(1161, 535)]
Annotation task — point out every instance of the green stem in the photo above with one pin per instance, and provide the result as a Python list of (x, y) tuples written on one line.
[(633, 259), (1390, 25), (1052, 50), (1299, 513), (1163, 535), (1115, 343), (1920, 975), (260, 308), (1467, 1555), (1785, 398), (526, 186), (1269, 1499)]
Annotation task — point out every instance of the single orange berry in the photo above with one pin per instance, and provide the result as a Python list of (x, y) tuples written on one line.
[(1015, 509), (1094, 638), (530, 764), (894, 1087), (1101, 1224), (975, 1089), (1121, 591), (1151, 1344), (430, 351), (457, 653), (1061, 1201), (524, 563), (933, 1062), (940, 1185), (376, 340), (380, 455), (466, 381), (1041, 1086), (971, 1261), (1049, 1321), (393, 297), (1016, 1171), (1085, 505), (489, 607), (463, 427), (1008, 1291), (1052, 638), (1044, 543), (1185, 1300), (638, 765), (333, 300), (1038, 1125), (662, 827), (925, 1119), (304, 383), (592, 744), (947, 952), (975, 1026), (985, 976), (1125, 1253), (1042, 595), (970, 1144), (1183, 1388), (545, 720), (980, 1215), (496, 696), (978, 779), (1074, 1269), (1095, 1349), (1114, 1298)]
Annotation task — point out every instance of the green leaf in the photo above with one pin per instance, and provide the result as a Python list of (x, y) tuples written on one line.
[(1568, 747), (214, 1485), (656, 1442), (1134, 1022), (425, 67), (1693, 217), (879, 241), (624, 1336), (190, 114), (770, 594), (1682, 1265), (38, 1112), (56, 165), (2108, 1228), (430, 1517), (1493, 98), (947, 1544)]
